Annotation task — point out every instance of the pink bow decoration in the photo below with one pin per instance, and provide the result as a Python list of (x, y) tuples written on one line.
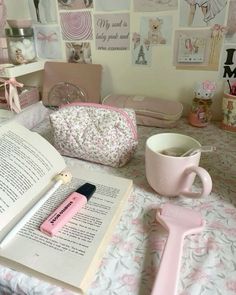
[(209, 86), (12, 96), (218, 30), (43, 37)]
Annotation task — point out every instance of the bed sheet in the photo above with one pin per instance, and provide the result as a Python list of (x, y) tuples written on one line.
[(130, 263)]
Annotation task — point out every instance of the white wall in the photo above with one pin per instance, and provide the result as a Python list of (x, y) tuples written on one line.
[(161, 79)]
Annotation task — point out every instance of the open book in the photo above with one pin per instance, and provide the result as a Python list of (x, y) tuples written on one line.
[(70, 259)]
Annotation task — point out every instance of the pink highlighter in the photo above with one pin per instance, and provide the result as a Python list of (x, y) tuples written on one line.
[(73, 203)]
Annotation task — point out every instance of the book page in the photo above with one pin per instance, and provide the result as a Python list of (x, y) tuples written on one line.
[(27, 164), (72, 255)]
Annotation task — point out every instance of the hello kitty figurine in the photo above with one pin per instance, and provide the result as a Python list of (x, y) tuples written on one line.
[(200, 114)]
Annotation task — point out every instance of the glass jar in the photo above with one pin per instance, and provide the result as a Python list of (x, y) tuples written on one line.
[(200, 114), (20, 44)]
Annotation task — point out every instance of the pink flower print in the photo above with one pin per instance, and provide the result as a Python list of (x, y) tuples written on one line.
[(131, 199), (206, 206), (231, 286), (8, 276), (198, 274), (127, 246), (231, 231), (103, 262), (217, 225), (230, 211), (94, 285), (116, 239), (199, 250), (130, 281), (138, 259), (211, 244), (220, 265), (136, 221)]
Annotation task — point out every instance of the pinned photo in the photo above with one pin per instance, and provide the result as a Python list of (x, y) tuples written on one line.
[(141, 50)]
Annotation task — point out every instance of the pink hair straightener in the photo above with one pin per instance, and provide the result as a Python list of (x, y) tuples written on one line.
[(180, 222)]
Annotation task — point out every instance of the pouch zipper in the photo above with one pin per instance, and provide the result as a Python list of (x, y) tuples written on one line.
[(118, 110)]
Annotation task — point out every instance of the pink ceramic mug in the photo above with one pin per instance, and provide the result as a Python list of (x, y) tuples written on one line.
[(174, 175)]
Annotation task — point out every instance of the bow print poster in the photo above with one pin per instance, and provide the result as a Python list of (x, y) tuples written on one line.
[(48, 42), (155, 5), (112, 31), (111, 5)]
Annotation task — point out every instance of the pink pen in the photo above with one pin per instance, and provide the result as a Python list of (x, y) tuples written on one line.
[(73, 203)]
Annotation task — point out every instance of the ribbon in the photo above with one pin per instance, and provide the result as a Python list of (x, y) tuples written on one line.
[(12, 96), (218, 31), (209, 86), (43, 37)]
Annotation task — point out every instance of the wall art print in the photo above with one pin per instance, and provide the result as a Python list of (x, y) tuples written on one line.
[(158, 30), (74, 4), (231, 23), (141, 50), (43, 11), (78, 52), (228, 63), (112, 5), (202, 13), (154, 5), (191, 49), (48, 42), (199, 49), (112, 31), (3, 17), (76, 25)]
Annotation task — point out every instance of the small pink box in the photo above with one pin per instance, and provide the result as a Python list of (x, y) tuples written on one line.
[(27, 95)]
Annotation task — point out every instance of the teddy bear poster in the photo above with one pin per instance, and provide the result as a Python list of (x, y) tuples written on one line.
[(157, 30)]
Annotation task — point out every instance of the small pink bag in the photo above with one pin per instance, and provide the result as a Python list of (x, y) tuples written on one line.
[(150, 111), (96, 133)]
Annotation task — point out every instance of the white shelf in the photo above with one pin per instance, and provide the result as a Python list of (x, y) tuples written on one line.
[(22, 70)]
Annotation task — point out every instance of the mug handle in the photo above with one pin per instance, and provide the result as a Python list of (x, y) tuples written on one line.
[(205, 179)]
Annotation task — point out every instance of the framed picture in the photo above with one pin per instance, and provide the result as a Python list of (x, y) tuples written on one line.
[(191, 49), (198, 49)]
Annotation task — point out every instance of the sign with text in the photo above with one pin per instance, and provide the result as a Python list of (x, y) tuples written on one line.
[(228, 63), (112, 31)]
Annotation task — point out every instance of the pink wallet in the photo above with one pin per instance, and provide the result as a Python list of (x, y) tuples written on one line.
[(150, 111)]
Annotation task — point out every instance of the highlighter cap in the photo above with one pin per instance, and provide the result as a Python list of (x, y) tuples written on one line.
[(86, 190)]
